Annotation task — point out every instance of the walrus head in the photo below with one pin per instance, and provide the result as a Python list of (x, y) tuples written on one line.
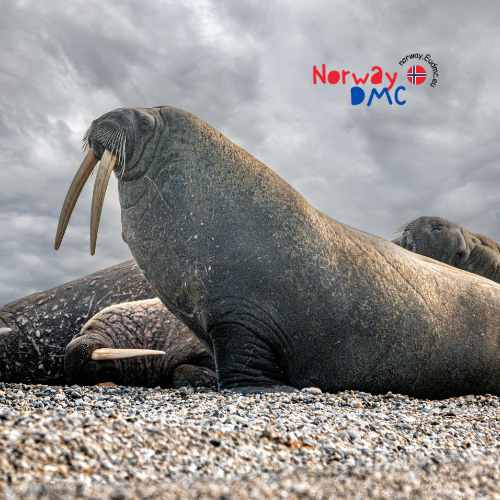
[(437, 238), (115, 141)]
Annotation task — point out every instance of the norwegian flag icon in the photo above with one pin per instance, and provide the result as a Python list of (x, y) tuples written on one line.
[(416, 74)]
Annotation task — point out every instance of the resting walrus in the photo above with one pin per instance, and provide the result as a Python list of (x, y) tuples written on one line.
[(283, 294), (451, 243), (36, 335), (146, 326)]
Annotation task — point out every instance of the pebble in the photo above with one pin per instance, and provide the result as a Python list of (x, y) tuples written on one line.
[(115, 442)]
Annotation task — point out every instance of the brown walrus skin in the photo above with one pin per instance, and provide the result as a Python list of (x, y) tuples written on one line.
[(285, 296), (145, 325), (50, 337), (451, 243)]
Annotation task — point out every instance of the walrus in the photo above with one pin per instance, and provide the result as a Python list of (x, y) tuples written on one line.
[(451, 243), (86, 331), (284, 296), (146, 327)]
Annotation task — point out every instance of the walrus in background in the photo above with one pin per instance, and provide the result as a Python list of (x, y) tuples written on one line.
[(451, 243), (284, 296), (36, 335)]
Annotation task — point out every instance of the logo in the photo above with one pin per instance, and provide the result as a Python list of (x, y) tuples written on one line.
[(420, 68), (416, 75), (378, 84)]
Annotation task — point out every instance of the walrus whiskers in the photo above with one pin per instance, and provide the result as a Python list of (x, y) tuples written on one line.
[(106, 354), (85, 140)]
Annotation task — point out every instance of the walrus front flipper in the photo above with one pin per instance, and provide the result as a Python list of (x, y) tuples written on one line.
[(187, 375), (246, 358)]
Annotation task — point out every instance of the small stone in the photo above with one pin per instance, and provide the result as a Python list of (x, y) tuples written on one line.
[(312, 390)]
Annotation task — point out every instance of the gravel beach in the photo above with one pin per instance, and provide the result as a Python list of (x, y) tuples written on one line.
[(122, 442)]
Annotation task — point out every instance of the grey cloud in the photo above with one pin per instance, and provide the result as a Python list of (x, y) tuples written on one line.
[(246, 68)]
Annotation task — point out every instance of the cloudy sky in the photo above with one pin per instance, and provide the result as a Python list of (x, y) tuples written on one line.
[(246, 68)]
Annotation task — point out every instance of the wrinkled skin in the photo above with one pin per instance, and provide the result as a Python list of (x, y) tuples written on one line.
[(43, 323), (451, 243), (284, 295), (37, 329), (143, 324)]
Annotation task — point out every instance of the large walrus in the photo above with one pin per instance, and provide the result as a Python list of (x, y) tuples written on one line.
[(284, 295), (105, 327), (451, 243)]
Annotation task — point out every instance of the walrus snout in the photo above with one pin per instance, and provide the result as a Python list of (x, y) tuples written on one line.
[(121, 131), (406, 241), (80, 368)]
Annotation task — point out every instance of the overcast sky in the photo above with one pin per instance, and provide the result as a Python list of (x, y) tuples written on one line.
[(246, 68)]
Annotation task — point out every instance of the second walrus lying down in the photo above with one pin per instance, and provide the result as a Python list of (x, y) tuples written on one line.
[(284, 295), (451, 243), (115, 340), (148, 327)]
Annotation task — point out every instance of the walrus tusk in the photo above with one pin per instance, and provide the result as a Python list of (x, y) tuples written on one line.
[(86, 168), (106, 166), (5, 330), (110, 354)]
